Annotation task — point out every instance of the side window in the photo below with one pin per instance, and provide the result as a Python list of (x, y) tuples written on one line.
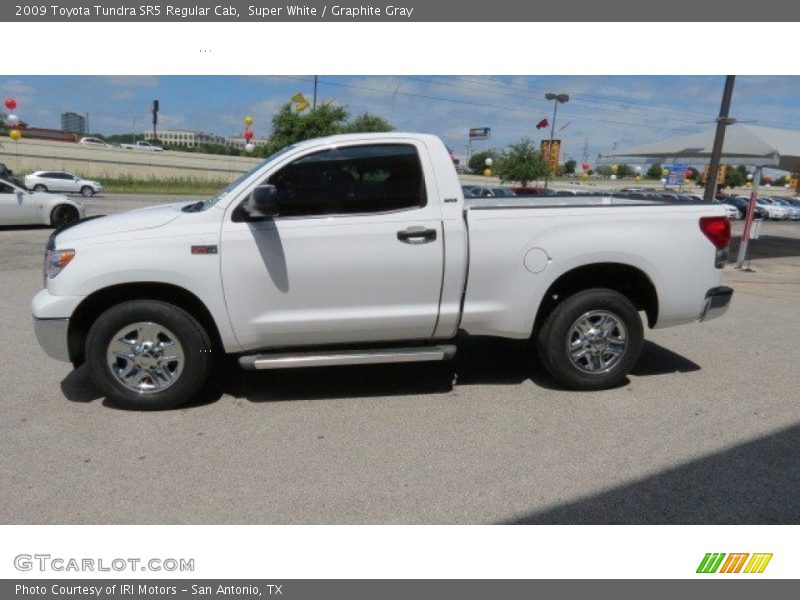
[(352, 180), (5, 188)]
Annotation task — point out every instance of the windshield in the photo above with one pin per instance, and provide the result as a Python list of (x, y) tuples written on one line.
[(212, 201)]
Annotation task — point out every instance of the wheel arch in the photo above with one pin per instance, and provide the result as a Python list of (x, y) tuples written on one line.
[(96, 303), (626, 279)]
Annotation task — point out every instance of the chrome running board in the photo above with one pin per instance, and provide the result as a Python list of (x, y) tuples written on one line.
[(290, 360)]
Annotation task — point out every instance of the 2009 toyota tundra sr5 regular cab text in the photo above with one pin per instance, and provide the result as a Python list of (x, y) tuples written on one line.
[(359, 249)]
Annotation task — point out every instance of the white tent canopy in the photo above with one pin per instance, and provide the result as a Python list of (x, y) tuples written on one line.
[(744, 144)]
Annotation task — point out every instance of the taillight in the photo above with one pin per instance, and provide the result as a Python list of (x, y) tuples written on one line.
[(717, 230)]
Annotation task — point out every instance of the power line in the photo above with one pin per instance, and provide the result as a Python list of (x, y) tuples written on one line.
[(516, 109)]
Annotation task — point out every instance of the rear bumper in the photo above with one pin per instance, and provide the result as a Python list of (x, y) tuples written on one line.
[(718, 300), (52, 336)]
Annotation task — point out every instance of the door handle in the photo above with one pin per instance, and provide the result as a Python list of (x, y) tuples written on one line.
[(416, 235)]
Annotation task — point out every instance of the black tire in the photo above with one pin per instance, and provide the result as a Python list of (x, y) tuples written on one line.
[(87, 191), (557, 331), (194, 340), (39, 188), (63, 214)]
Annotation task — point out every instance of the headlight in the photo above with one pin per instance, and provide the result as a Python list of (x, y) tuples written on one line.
[(56, 260)]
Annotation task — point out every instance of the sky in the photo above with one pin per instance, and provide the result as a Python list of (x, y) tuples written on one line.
[(603, 111)]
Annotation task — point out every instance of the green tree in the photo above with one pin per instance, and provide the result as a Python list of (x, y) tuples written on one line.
[(624, 170), (290, 127), (368, 123), (654, 172), (736, 176), (522, 163), (477, 162), (569, 167)]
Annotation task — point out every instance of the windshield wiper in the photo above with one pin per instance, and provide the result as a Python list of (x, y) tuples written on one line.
[(194, 207)]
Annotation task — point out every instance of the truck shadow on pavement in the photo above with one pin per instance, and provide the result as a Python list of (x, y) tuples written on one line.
[(766, 246), (479, 361), (752, 483)]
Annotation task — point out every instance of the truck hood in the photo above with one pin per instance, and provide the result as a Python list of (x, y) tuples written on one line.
[(134, 220)]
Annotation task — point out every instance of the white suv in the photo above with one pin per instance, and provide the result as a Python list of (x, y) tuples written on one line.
[(60, 181)]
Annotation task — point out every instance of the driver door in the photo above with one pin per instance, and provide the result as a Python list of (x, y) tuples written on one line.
[(355, 255)]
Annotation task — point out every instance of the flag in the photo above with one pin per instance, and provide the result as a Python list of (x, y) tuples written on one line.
[(541, 124), (300, 102)]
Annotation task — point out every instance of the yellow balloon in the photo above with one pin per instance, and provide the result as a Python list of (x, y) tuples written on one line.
[(487, 173), (614, 168), (585, 176), (665, 172), (15, 134), (638, 178), (248, 120), (687, 181)]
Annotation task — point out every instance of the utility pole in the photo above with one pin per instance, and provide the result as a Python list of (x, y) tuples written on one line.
[(557, 99), (314, 104), (719, 139)]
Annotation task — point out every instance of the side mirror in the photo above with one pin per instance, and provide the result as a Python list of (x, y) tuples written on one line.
[(263, 202)]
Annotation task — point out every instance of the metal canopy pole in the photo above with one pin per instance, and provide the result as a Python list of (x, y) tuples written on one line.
[(751, 210), (719, 139)]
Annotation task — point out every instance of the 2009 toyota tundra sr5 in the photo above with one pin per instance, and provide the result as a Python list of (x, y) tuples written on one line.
[(359, 249)]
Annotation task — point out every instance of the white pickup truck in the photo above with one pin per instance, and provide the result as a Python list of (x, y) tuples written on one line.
[(142, 145), (359, 249)]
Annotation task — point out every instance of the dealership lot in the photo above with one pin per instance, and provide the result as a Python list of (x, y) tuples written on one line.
[(706, 431)]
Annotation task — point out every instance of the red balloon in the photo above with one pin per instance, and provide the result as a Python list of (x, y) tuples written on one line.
[(11, 104), (585, 166), (248, 135)]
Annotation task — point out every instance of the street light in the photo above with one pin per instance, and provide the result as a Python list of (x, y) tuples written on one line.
[(558, 99)]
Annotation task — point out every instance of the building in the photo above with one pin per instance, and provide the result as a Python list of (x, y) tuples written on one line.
[(185, 138), (238, 142), (72, 122)]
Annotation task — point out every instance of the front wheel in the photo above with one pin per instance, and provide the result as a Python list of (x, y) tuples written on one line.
[(63, 214), (591, 340), (148, 355)]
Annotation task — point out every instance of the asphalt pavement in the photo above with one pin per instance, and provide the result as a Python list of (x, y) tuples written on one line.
[(706, 430)]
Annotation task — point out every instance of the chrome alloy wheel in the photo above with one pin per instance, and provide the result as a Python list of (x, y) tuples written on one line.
[(145, 357), (597, 341)]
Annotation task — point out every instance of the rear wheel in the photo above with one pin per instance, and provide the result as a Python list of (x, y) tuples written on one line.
[(39, 188), (87, 192), (148, 355), (591, 340), (63, 214)]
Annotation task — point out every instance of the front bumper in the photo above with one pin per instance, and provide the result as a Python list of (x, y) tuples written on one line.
[(52, 336), (718, 300)]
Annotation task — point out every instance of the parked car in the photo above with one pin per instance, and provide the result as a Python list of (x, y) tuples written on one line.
[(18, 206), (61, 181), (142, 145), (793, 211), (774, 211), (496, 192), (471, 191), (394, 271), (532, 191), (742, 203), (733, 212), (94, 142)]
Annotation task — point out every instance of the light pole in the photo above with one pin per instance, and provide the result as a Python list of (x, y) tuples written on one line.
[(557, 99)]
